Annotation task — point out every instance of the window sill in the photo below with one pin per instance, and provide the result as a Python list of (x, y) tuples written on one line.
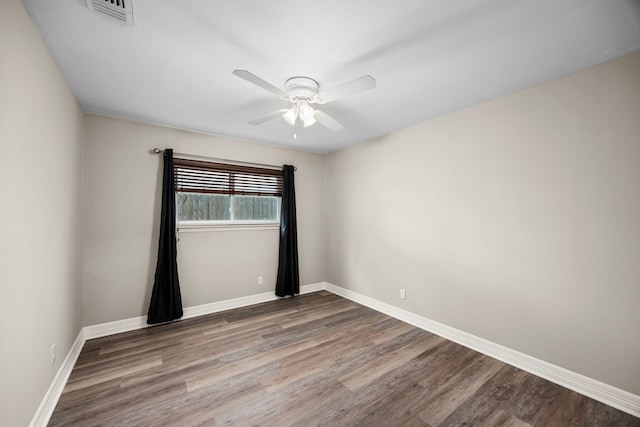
[(193, 228)]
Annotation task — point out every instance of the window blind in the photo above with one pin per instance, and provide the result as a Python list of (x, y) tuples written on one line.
[(195, 176)]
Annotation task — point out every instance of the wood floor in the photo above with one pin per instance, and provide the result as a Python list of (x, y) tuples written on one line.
[(313, 360)]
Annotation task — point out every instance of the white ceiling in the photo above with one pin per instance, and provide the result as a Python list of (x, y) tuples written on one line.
[(429, 57)]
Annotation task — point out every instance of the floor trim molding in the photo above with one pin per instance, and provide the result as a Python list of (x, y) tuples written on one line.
[(602, 392), (612, 396), (134, 323), (48, 404)]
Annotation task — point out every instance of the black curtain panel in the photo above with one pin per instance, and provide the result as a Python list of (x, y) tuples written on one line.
[(288, 282), (166, 301)]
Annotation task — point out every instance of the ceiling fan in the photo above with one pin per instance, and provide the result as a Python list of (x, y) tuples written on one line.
[(301, 92)]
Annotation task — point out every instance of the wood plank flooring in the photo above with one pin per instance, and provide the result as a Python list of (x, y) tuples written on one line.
[(313, 360)]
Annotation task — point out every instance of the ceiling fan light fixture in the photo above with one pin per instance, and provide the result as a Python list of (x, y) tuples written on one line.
[(300, 92), (291, 115), (306, 111), (309, 122)]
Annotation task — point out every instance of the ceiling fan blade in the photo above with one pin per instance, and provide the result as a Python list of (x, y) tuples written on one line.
[(267, 117), (352, 87), (328, 121), (252, 78)]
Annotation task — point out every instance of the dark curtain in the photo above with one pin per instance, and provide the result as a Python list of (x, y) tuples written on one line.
[(166, 301), (288, 282)]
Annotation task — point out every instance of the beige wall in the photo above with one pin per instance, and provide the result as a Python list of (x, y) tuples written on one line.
[(122, 199), (40, 180), (517, 221)]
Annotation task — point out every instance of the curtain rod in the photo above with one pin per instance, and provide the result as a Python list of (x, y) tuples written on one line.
[(237, 162)]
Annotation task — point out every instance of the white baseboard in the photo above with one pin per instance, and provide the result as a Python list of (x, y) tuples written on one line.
[(48, 404), (612, 396), (134, 323), (216, 307), (117, 327), (597, 390)]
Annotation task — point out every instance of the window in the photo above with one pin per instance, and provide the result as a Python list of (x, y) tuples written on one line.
[(210, 193)]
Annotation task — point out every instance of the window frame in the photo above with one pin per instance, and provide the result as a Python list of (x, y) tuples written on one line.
[(216, 168)]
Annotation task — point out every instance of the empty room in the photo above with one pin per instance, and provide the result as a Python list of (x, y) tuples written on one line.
[(296, 213)]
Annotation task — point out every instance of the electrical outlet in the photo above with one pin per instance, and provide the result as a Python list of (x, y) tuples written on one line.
[(260, 280), (53, 353), (403, 294)]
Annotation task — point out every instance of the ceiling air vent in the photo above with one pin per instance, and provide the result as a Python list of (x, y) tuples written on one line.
[(120, 10)]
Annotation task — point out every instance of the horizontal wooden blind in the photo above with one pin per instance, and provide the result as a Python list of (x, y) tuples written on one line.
[(195, 176)]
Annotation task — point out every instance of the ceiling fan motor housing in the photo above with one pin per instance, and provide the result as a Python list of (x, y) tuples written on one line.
[(302, 88)]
